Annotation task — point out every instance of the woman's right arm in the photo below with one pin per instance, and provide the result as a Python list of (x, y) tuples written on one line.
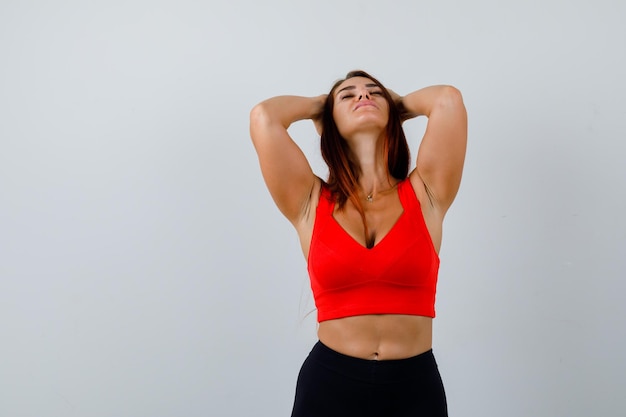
[(286, 171)]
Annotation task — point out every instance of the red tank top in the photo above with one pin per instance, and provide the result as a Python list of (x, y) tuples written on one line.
[(397, 276)]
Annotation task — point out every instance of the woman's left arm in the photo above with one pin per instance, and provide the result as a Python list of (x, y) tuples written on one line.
[(442, 151)]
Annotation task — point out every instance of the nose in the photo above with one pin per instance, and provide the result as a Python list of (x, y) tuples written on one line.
[(364, 94)]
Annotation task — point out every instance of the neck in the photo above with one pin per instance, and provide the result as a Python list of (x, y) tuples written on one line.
[(368, 152)]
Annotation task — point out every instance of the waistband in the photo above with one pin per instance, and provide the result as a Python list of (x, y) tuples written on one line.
[(375, 371)]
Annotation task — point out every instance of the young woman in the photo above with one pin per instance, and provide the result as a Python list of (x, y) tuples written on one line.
[(371, 235)]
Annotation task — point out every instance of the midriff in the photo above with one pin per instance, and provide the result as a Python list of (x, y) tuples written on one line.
[(379, 336)]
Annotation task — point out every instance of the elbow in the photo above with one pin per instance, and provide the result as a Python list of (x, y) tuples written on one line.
[(450, 97), (258, 115), (259, 119)]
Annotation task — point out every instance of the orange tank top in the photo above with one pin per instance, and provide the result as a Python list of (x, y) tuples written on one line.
[(397, 276)]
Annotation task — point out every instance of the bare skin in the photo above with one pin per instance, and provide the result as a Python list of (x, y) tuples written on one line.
[(361, 114)]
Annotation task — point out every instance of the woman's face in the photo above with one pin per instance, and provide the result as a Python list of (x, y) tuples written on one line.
[(359, 106)]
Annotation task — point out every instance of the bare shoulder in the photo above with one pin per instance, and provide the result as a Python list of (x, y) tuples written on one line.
[(313, 200), (304, 225), (421, 192), (433, 215)]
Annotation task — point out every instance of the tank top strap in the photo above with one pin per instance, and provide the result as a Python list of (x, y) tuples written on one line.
[(326, 203), (407, 195)]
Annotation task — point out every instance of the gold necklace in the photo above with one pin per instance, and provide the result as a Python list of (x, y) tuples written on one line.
[(370, 197)]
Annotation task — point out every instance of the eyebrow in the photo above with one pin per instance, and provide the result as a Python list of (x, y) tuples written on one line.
[(352, 87)]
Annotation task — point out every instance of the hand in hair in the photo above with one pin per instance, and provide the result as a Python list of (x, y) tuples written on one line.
[(398, 100), (317, 118)]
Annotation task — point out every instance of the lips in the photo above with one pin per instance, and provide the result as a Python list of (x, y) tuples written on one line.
[(364, 103)]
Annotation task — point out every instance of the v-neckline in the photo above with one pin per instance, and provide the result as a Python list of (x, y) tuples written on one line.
[(382, 240)]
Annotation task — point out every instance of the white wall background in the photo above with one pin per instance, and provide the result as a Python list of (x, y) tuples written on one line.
[(144, 270)]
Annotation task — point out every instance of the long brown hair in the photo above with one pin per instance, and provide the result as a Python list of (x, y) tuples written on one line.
[(343, 172)]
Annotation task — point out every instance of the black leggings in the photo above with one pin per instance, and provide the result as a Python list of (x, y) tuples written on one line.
[(331, 384)]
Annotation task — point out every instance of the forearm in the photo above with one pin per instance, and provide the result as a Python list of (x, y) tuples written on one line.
[(424, 101), (286, 110)]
